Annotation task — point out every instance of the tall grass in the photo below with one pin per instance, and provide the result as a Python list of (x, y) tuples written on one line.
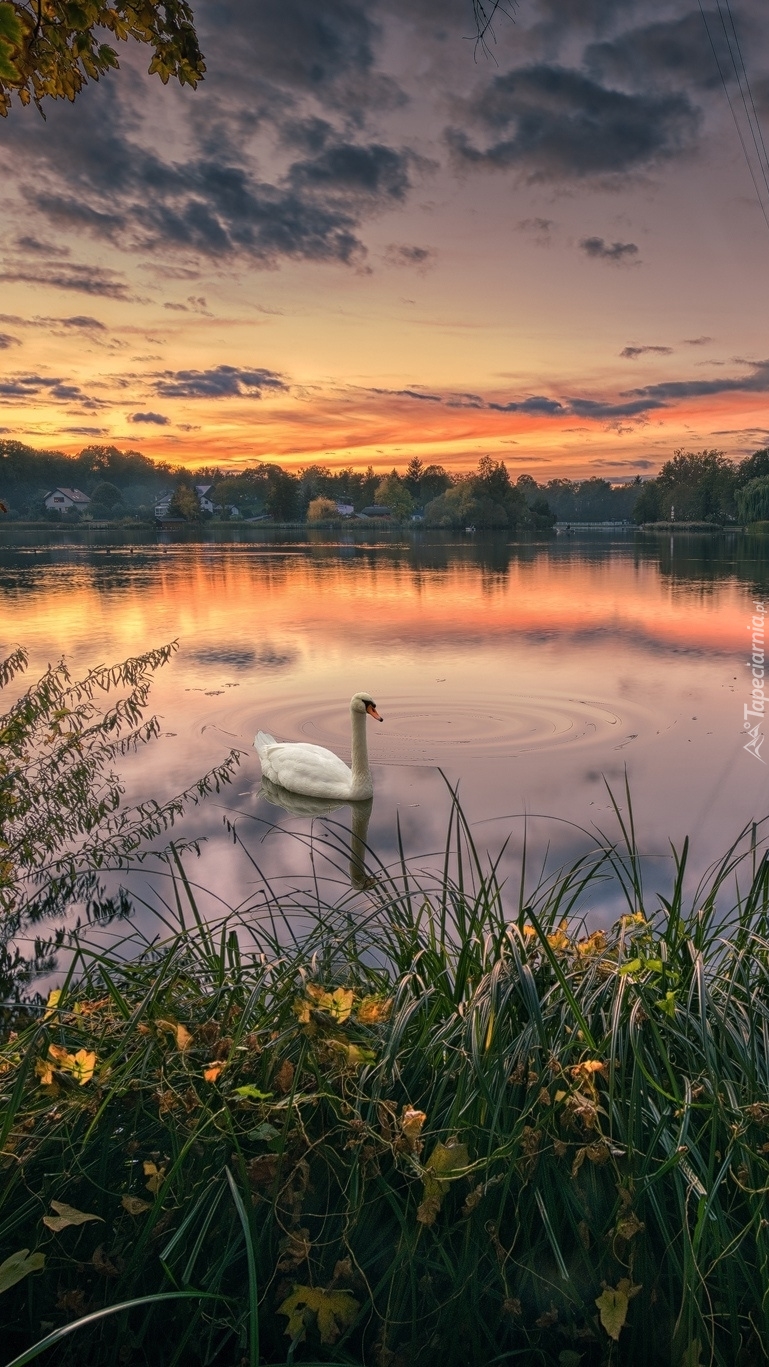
[(456, 1127)]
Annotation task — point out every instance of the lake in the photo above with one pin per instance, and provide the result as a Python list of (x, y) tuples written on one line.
[(528, 672)]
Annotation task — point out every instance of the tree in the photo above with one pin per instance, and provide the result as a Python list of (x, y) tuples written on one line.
[(753, 500), (321, 510), (282, 495), (105, 499), (647, 506), (753, 467), (52, 48), (61, 816), (699, 485), (413, 477), (185, 504), (391, 492)]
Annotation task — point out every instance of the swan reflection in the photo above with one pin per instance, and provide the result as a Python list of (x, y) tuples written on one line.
[(299, 804)]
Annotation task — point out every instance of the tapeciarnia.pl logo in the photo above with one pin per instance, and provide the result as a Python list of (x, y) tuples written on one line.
[(756, 708)]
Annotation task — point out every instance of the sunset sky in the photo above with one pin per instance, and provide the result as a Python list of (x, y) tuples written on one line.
[(363, 239)]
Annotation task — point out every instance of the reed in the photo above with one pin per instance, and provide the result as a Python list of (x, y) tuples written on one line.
[(457, 1126)]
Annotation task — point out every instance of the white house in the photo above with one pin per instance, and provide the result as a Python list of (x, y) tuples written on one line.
[(162, 506), (61, 500), (345, 509), (206, 506)]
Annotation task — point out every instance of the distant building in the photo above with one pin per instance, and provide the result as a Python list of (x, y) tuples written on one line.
[(376, 510), (206, 506), (61, 500), (162, 506), (345, 509)]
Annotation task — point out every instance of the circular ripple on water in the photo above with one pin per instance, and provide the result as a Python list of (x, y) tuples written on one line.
[(414, 733)]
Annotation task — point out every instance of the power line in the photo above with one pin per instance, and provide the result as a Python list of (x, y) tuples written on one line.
[(745, 150)]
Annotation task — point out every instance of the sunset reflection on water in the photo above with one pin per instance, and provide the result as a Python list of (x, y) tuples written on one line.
[(526, 672)]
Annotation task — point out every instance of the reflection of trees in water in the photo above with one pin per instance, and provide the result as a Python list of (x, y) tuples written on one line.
[(709, 561), (115, 565)]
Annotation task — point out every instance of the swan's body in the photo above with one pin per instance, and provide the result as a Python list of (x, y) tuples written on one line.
[(317, 772)]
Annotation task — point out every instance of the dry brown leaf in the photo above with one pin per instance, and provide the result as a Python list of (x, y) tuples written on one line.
[(284, 1077), (212, 1071), (66, 1216), (103, 1264), (294, 1249), (629, 1225), (134, 1205)]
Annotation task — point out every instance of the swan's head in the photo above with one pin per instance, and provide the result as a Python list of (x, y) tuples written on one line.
[(363, 702)]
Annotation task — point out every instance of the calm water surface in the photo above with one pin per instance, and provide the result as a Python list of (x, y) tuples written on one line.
[(527, 672)]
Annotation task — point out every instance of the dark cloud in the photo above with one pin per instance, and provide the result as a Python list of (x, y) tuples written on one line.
[(86, 431), (157, 418), (418, 258), (6, 341), (297, 48), (409, 394), (630, 353), (27, 243), (539, 228), (78, 322), (616, 253), (375, 171), (755, 382), (83, 279), (269, 65), (222, 382), (697, 341), (678, 51), (26, 386), (535, 404), (552, 123)]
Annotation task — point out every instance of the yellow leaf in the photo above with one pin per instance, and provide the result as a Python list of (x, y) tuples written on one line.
[(19, 1265), (66, 1216), (301, 1009), (81, 1065), (612, 1305), (89, 1008), (180, 1033), (333, 1310), (213, 1070), (337, 1004), (559, 939), (446, 1162), (52, 1003), (412, 1122), (374, 1010), (354, 1055), (44, 1070), (134, 1205), (154, 1176)]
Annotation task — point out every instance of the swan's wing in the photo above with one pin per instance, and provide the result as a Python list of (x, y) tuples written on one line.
[(305, 768)]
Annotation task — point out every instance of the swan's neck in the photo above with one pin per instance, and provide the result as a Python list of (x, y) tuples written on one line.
[(361, 773)]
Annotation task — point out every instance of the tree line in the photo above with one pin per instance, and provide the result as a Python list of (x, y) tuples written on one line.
[(690, 487)]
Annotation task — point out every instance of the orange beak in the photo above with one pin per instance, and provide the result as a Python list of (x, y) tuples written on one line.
[(370, 708)]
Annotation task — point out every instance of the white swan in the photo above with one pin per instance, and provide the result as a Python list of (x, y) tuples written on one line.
[(318, 772)]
